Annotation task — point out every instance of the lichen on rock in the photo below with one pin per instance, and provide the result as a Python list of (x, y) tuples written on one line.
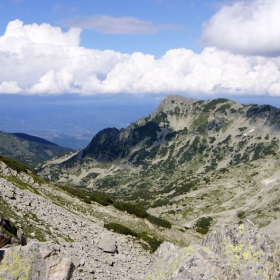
[(240, 251), (35, 261)]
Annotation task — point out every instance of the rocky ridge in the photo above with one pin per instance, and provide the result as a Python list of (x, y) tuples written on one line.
[(78, 236), (240, 251)]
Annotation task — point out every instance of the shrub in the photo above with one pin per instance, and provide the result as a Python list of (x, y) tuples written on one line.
[(158, 221), (241, 215), (120, 229), (203, 224), (160, 202), (88, 197), (131, 209), (152, 241), (102, 199)]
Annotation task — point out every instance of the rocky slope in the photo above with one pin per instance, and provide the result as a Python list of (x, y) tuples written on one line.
[(67, 239), (189, 160), (46, 213), (29, 149)]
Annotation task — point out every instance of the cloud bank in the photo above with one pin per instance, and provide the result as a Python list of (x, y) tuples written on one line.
[(110, 25), (248, 27), (41, 59)]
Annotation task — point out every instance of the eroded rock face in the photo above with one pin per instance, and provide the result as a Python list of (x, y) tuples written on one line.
[(238, 252), (40, 261)]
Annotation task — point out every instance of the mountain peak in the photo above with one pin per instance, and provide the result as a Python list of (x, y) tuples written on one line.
[(173, 100)]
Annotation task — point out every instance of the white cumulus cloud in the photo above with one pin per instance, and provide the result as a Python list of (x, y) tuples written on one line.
[(9, 87), (54, 63), (248, 27), (18, 36)]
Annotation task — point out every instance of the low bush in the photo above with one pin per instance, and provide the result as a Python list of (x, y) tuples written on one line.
[(120, 229), (159, 222), (152, 241), (106, 200), (241, 215), (203, 224), (100, 198), (131, 209)]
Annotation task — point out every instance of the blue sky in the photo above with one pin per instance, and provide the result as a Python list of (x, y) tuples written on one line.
[(104, 51), (170, 23)]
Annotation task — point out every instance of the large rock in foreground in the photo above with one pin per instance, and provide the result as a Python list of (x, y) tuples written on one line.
[(35, 261), (238, 252)]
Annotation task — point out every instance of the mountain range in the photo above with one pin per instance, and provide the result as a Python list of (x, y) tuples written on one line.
[(189, 159), (29, 149), (189, 167), (53, 232)]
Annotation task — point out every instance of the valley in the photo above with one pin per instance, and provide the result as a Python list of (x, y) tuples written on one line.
[(186, 169), (187, 160)]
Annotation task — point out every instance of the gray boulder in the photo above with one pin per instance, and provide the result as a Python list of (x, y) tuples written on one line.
[(10, 194), (107, 243), (240, 251), (35, 261)]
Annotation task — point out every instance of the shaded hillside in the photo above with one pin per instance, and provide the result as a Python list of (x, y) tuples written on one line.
[(34, 138), (29, 149)]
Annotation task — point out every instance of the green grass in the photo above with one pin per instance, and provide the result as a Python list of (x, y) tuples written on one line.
[(18, 166), (22, 185)]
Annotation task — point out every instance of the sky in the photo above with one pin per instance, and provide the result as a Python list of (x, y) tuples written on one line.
[(111, 49)]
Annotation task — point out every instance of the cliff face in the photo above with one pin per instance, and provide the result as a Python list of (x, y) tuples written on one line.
[(240, 251)]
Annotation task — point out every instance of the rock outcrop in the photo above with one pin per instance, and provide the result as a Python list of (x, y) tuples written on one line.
[(40, 261), (228, 252), (9, 234)]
